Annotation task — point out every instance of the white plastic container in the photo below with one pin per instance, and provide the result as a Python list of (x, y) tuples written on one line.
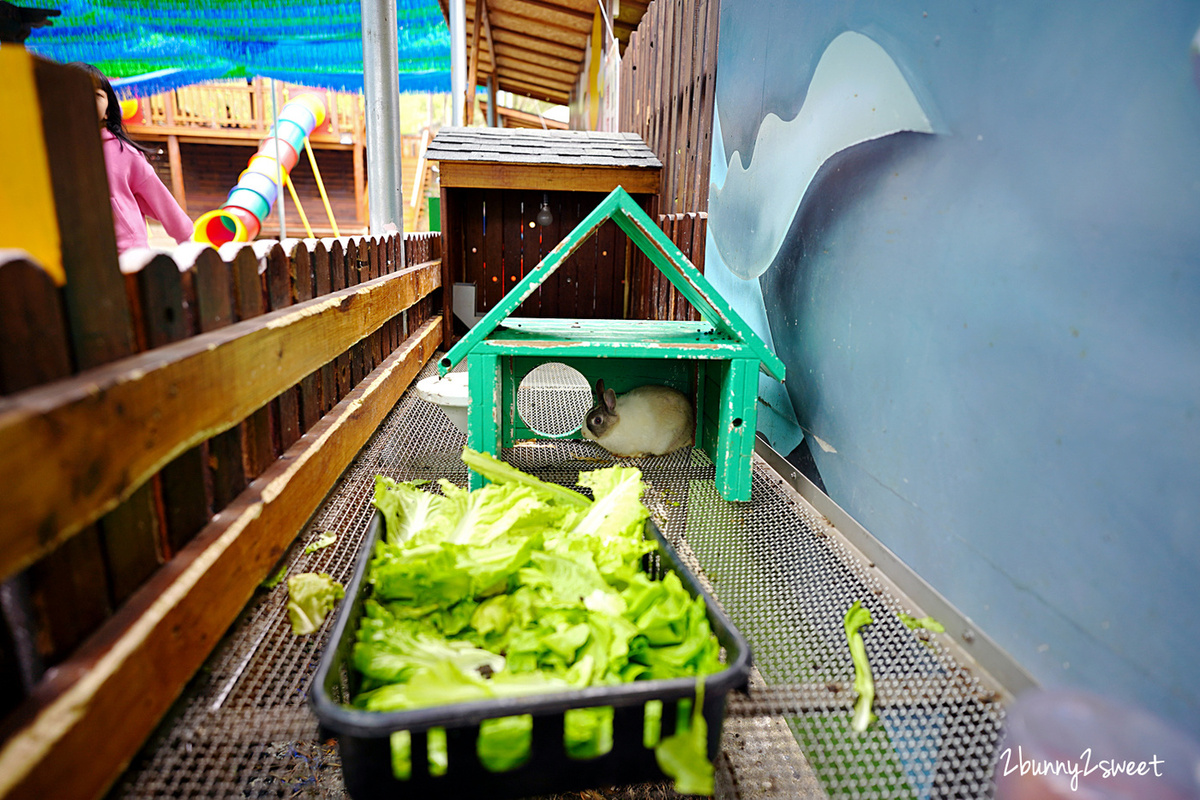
[(450, 394)]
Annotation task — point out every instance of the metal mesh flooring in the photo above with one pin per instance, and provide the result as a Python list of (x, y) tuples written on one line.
[(243, 728)]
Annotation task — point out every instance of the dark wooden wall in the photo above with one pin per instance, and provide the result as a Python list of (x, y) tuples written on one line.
[(500, 246)]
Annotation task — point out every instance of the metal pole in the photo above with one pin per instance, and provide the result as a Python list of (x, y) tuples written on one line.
[(458, 60), (381, 90)]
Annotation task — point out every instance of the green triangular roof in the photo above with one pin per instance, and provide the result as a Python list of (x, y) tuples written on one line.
[(661, 251)]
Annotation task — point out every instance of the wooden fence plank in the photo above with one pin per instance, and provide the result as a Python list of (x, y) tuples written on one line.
[(135, 667), (34, 345), (302, 290), (258, 449), (34, 350), (192, 390), (97, 313), (280, 291), (98, 319), (156, 293), (323, 285), (337, 265), (451, 262), (213, 280)]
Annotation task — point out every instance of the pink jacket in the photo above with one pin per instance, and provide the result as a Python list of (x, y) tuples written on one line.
[(137, 193)]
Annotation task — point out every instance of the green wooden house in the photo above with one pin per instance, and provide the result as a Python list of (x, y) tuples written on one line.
[(715, 360)]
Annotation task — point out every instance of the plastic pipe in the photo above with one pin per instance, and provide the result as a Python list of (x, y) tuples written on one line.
[(249, 202)]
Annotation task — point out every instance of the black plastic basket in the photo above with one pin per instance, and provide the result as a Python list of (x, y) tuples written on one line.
[(364, 736)]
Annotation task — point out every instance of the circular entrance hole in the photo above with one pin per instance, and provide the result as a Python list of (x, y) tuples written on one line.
[(553, 399)]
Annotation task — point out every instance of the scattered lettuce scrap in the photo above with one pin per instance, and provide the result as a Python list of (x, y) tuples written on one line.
[(928, 623), (274, 580), (525, 587), (856, 617), (322, 541), (684, 755), (311, 595)]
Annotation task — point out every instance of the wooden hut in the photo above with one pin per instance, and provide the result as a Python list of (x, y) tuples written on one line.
[(494, 184)]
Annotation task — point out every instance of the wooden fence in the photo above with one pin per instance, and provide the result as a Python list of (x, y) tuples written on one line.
[(160, 454), (668, 82), (654, 297)]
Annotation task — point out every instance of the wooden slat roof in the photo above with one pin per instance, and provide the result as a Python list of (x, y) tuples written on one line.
[(518, 146), (539, 45)]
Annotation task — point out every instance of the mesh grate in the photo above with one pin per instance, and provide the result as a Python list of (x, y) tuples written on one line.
[(553, 399), (243, 728)]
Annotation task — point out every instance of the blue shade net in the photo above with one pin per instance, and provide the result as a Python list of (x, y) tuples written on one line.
[(156, 46)]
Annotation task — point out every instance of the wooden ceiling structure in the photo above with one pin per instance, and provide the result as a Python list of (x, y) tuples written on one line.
[(536, 48)]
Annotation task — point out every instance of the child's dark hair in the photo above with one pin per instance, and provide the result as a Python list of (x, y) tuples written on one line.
[(112, 119)]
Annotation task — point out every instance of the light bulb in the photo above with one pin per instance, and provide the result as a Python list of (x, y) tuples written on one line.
[(544, 217)]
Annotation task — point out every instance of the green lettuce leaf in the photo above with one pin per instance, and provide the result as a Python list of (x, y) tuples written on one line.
[(311, 595), (928, 623), (856, 617), (408, 511), (320, 542), (684, 754), (497, 471)]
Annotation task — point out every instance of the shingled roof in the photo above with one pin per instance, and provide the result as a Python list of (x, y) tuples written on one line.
[(523, 146)]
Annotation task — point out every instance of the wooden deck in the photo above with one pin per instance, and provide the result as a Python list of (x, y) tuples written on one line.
[(207, 133)]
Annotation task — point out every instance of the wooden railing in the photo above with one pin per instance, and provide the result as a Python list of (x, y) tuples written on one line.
[(148, 494), (237, 107)]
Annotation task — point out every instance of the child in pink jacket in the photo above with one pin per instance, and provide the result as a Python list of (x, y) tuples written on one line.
[(134, 188)]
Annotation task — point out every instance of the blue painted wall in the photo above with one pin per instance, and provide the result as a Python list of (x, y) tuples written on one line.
[(996, 326)]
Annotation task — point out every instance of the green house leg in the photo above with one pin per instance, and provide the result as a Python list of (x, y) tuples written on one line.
[(737, 421), (483, 423)]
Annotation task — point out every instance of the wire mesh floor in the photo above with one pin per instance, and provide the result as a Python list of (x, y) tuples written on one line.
[(244, 729)]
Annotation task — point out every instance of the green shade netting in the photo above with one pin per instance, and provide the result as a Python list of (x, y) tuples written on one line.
[(163, 44)]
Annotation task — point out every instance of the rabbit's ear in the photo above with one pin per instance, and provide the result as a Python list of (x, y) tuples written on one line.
[(600, 389), (610, 400)]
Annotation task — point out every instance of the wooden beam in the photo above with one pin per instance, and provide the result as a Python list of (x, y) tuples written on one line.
[(62, 469), (191, 134), (360, 180), (548, 79), (528, 15), (137, 664), (537, 9), (535, 91), (557, 177), (523, 119), (538, 61), (528, 42), (176, 164), (558, 69), (487, 30)]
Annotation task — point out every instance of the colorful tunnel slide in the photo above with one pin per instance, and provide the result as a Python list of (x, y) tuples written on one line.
[(249, 202)]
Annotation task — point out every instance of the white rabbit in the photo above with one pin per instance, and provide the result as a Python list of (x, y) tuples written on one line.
[(649, 420)]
